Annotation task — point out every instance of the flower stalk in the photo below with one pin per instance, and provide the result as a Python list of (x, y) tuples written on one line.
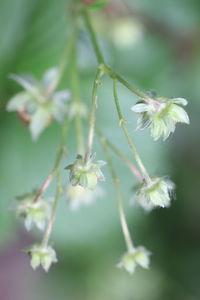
[(56, 167), (111, 73), (124, 128), (116, 181), (75, 88), (121, 155), (53, 213), (92, 117)]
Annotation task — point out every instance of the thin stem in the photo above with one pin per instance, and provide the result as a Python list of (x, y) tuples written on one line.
[(93, 36), (107, 69), (92, 117), (75, 88), (56, 167), (137, 92), (130, 142), (116, 181), (53, 213), (121, 155)]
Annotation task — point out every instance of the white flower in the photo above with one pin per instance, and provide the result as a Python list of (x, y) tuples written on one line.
[(136, 257), (161, 115), (39, 101), (34, 212), (78, 196), (86, 173), (156, 193), (42, 255)]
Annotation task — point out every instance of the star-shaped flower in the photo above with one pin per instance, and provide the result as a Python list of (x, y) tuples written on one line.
[(34, 212), (161, 115), (136, 257), (42, 255), (39, 102), (158, 192), (86, 173)]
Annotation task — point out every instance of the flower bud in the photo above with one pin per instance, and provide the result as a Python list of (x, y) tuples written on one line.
[(156, 193), (137, 257), (42, 255)]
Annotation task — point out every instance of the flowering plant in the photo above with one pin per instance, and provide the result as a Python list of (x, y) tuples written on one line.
[(40, 103)]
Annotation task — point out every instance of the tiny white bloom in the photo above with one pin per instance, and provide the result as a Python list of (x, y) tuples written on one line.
[(39, 101), (86, 173), (158, 192), (136, 257), (34, 213), (161, 115), (42, 255)]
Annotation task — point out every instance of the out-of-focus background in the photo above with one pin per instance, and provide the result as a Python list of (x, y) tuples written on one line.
[(154, 45)]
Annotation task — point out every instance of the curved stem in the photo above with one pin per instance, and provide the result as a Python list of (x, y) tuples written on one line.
[(137, 92), (93, 37), (75, 88), (107, 69), (116, 181), (56, 167), (53, 213), (121, 155), (130, 142)]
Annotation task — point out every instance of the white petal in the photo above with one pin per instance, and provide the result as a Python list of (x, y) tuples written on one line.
[(18, 102), (49, 77), (39, 122), (181, 101), (140, 107)]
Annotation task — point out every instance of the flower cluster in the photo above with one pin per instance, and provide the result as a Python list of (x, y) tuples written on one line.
[(136, 257), (34, 212), (86, 173), (158, 192), (161, 115), (39, 103), (42, 255)]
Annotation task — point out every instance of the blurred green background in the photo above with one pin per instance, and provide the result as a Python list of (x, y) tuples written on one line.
[(154, 45)]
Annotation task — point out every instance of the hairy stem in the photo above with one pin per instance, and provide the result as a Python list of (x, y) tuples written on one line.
[(130, 142)]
